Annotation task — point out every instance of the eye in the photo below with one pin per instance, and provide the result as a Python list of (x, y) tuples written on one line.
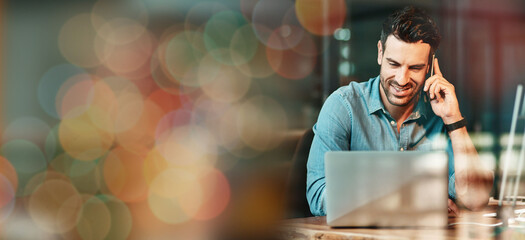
[(394, 64)]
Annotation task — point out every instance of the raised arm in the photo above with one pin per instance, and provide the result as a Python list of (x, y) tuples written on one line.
[(473, 182)]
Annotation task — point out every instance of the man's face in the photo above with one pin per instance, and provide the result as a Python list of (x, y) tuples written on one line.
[(403, 69)]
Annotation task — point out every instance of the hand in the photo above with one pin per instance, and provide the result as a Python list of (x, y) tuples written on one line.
[(442, 96), (453, 210)]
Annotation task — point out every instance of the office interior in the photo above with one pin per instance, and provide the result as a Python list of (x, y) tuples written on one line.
[(157, 119)]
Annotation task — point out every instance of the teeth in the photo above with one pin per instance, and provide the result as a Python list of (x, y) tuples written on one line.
[(401, 89)]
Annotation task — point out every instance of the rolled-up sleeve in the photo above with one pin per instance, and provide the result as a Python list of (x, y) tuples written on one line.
[(451, 171), (332, 132)]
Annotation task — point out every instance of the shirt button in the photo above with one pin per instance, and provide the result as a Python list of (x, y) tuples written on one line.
[(393, 123), (402, 149)]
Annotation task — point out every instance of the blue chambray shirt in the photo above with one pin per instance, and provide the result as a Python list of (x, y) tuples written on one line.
[(354, 118)]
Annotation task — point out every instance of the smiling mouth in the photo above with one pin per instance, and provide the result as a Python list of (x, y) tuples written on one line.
[(399, 91)]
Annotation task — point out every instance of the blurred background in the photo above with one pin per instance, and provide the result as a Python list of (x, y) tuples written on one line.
[(182, 119)]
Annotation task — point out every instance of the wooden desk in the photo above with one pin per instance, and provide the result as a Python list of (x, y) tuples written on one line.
[(316, 228)]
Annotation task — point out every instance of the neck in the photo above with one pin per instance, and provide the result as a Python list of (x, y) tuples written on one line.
[(399, 113)]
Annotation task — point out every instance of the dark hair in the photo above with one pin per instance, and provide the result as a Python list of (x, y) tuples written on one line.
[(411, 25)]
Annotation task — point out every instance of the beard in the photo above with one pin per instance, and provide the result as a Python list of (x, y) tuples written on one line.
[(400, 95)]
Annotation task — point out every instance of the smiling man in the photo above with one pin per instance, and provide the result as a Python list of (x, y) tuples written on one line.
[(399, 110)]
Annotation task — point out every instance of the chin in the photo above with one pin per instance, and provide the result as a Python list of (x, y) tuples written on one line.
[(400, 102)]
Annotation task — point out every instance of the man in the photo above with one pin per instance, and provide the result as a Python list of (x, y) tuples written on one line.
[(400, 110)]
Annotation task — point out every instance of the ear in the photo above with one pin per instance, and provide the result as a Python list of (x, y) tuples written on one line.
[(379, 52)]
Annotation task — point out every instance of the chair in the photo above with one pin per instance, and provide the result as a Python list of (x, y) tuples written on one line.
[(296, 203)]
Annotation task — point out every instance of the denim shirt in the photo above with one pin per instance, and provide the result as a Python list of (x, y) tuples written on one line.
[(354, 118)]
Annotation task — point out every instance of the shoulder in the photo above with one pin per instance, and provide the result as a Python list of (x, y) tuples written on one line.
[(355, 94), (355, 89)]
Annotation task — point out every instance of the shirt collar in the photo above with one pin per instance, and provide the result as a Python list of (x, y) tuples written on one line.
[(422, 107), (375, 104), (374, 101)]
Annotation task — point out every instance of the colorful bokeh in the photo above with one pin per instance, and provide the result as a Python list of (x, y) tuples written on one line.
[(142, 123)]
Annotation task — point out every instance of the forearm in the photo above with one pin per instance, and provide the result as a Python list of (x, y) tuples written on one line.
[(473, 181), (331, 134), (315, 195)]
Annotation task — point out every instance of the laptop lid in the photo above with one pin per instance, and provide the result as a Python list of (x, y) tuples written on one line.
[(386, 189)]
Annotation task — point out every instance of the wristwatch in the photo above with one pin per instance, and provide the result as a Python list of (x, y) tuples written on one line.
[(453, 126)]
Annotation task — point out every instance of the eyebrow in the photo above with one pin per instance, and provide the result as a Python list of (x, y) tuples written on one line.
[(416, 65)]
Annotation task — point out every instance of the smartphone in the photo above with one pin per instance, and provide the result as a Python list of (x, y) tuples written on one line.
[(432, 65), (431, 72)]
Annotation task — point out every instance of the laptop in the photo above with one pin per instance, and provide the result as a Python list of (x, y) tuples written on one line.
[(386, 189), (505, 211)]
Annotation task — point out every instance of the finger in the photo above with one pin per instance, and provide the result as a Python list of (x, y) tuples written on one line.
[(453, 208), (446, 88), (429, 82), (437, 71), (437, 90), (432, 89)]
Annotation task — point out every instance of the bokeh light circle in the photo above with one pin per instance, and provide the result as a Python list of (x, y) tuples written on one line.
[(188, 145), (171, 120), (141, 136), (154, 164), (222, 83), (244, 45), (75, 96), (81, 138), (199, 14), (258, 66), (247, 7), (55, 205), (123, 175), (27, 128), (183, 58), (95, 219), (121, 219), (216, 195), (85, 175), (128, 105), (170, 100), (127, 47), (80, 30), (50, 84), (116, 103), (119, 31), (27, 159), (175, 196), (158, 66), (7, 197), (295, 63), (276, 25), (261, 122), (9, 173), (321, 17), (227, 34), (38, 179)]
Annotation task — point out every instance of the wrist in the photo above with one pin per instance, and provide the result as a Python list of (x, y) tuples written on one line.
[(452, 119), (456, 125)]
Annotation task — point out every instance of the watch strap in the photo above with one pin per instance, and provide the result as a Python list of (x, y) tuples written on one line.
[(453, 126)]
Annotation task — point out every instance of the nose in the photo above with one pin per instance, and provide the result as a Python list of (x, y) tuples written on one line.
[(402, 77)]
